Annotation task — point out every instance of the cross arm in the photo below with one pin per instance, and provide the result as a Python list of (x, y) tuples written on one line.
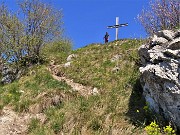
[(117, 26)]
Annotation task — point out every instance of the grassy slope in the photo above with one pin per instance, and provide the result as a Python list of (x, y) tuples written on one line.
[(114, 111)]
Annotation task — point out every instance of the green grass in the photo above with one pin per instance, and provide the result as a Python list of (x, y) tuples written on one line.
[(21, 93), (113, 111), (57, 51), (93, 67)]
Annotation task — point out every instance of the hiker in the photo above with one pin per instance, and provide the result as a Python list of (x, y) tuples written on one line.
[(106, 37)]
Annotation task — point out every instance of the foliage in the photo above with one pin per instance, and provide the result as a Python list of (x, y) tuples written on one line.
[(57, 122), (23, 35), (57, 50), (161, 14), (34, 123), (169, 130), (153, 129), (11, 95), (92, 68), (109, 112), (21, 93)]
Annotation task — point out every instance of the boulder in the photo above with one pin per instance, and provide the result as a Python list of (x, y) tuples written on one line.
[(160, 75)]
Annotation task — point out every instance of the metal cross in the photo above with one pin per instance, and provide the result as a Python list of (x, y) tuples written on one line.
[(117, 26)]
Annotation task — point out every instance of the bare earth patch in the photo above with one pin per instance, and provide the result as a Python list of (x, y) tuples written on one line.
[(12, 123), (81, 89)]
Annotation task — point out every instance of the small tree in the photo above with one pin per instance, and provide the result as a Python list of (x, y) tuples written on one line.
[(42, 24), (160, 15), (23, 34), (11, 36), (20, 37)]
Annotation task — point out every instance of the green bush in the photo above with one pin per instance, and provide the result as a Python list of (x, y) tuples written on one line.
[(57, 50)]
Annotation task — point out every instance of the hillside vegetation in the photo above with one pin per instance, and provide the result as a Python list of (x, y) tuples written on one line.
[(116, 108)]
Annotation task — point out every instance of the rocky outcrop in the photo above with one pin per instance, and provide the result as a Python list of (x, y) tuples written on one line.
[(160, 74), (69, 60), (7, 75)]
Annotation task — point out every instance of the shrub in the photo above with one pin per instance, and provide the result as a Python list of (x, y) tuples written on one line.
[(57, 50), (169, 130), (153, 129)]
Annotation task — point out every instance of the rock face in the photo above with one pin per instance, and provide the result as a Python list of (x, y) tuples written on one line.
[(160, 74)]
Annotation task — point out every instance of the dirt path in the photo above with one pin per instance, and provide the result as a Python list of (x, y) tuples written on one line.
[(83, 90), (12, 123)]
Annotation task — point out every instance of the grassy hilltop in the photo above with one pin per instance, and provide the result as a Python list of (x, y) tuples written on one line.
[(116, 108)]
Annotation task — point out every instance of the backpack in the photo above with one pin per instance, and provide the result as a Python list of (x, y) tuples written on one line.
[(106, 36)]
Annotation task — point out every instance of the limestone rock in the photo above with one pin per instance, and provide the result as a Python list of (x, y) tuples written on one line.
[(158, 40), (67, 64), (95, 91), (160, 75), (177, 33), (175, 44), (167, 34), (69, 60), (70, 57)]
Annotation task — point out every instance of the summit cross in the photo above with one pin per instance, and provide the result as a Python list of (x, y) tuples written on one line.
[(117, 25)]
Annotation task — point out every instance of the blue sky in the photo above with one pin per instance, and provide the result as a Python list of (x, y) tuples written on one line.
[(85, 21)]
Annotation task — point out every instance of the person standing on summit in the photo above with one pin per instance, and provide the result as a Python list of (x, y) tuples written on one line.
[(106, 37)]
